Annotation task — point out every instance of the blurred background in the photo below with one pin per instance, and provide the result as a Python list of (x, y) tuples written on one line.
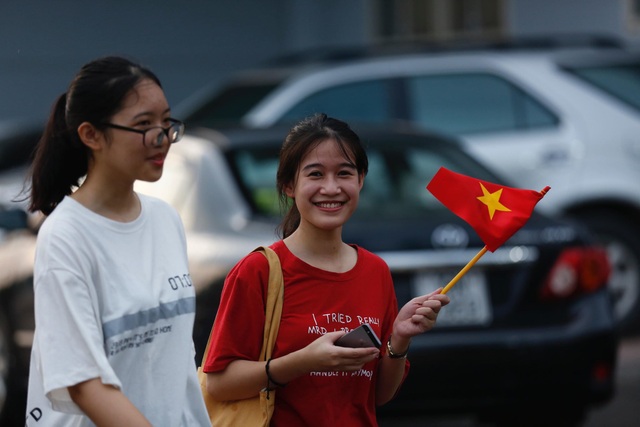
[(196, 47), (194, 43)]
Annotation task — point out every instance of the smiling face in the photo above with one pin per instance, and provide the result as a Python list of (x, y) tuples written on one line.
[(124, 155), (327, 187)]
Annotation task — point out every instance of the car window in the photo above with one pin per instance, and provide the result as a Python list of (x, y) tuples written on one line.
[(256, 170), (474, 103), (395, 186), (368, 101), (621, 81)]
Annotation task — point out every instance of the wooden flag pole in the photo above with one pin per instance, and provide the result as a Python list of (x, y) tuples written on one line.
[(464, 270)]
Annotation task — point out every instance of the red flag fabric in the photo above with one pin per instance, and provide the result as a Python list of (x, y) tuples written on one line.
[(494, 211)]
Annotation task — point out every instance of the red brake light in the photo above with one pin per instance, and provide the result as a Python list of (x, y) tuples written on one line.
[(577, 270), (595, 269)]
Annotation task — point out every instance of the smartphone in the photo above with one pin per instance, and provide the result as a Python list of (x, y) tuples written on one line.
[(362, 336)]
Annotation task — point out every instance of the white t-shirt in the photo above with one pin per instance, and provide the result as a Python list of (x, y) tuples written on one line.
[(114, 300)]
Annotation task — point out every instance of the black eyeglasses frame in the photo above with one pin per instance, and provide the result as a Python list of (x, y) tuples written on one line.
[(165, 131)]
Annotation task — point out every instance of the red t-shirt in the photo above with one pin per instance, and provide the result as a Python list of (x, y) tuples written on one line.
[(315, 302)]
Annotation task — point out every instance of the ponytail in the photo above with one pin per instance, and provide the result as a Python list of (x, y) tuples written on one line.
[(59, 163)]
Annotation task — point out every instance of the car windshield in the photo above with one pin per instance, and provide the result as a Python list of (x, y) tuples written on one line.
[(621, 80), (395, 187)]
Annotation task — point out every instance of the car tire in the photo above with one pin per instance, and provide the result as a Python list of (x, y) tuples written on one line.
[(621, 238)]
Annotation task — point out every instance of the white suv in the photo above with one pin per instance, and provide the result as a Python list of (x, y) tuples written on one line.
[(564, 117)]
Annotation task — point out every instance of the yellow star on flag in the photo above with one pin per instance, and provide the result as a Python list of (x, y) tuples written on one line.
[(492, 200)]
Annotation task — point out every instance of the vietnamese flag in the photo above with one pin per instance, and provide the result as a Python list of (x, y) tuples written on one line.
[(494, 211)]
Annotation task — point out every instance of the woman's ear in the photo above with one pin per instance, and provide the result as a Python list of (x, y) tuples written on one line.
[(288, 190), (90, 136), (361, 180)]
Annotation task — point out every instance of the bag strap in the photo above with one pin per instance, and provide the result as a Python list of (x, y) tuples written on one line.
[(273, 306)]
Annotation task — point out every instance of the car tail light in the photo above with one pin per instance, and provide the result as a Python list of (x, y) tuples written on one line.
[(577, 271), (601, 372)]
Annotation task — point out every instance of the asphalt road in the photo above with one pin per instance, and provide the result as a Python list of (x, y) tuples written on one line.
[(622, 411)]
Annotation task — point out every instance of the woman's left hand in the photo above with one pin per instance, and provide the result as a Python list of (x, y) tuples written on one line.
[(419, 315)]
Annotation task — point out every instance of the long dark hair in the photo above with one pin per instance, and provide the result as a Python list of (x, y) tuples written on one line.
[(303, 137), (94, 96)]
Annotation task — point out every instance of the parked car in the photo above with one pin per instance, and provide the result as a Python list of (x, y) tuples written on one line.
[(17, 245), (18, 139), (530, 326), (540, 114)]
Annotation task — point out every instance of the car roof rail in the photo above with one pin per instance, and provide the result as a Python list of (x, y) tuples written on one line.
[(329, 54)]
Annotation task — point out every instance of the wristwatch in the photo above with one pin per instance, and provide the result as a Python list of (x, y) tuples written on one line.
[(393, 355)]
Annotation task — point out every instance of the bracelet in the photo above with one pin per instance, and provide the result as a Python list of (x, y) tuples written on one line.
[(393, 355), (269, 379)]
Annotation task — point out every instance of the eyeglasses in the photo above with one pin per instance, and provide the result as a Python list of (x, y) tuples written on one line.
[(153, 137)]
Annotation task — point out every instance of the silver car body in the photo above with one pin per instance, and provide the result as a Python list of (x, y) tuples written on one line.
[(589, 157)]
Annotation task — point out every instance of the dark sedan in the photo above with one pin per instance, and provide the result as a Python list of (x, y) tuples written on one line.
[(530, 327)]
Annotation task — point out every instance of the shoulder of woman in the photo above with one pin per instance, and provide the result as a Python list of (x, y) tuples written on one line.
[(159, 207), (154, 202), (369, 256), (250, 274), (252, 263), (62, 221)]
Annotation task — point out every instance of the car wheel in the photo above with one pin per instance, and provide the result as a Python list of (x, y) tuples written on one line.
[(5, 355), (621, 239)]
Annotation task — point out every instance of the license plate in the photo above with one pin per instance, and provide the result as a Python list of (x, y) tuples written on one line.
[(470, 303)]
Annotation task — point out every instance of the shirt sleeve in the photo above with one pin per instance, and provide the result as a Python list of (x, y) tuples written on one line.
[(69, 337), (239, 324)]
